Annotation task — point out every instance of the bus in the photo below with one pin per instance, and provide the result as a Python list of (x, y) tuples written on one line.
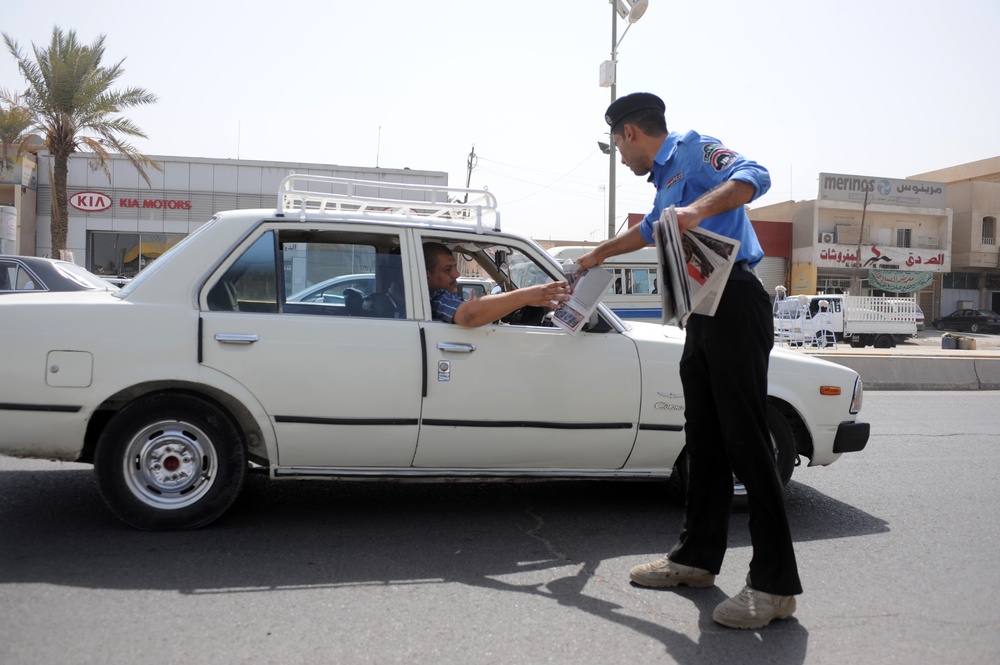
[(633, 294)]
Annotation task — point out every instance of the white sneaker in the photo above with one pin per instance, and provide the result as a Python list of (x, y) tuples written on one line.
[(753, 609), (665, 573)]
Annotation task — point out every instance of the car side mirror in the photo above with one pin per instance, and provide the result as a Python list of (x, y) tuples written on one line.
[(592, 322)]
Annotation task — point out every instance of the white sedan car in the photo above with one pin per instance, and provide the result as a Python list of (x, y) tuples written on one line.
[(201, 366)]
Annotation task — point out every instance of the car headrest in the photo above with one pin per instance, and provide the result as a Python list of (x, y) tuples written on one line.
[(378, 305), (353, 301)]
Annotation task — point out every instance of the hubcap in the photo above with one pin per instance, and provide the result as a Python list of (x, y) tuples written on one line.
[(170, 464)]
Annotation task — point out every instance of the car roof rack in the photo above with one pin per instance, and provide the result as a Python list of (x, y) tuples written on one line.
[(472, 208)]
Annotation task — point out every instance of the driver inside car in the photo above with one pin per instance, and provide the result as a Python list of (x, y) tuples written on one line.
[(447, 303)]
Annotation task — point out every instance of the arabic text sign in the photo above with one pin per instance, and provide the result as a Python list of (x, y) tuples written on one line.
[(900, 281), (852, 188), (874, 257)]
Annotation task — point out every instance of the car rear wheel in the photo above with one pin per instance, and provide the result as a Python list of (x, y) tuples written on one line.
[(170, 461), (884, 342), (974, 328)]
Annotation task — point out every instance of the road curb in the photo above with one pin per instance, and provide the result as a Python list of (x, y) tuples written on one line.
[(916, 373)]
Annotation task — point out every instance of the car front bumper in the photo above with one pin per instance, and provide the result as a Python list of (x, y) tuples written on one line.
[(851, 437)]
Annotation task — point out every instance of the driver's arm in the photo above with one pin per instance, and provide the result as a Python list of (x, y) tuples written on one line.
[(478, 312)]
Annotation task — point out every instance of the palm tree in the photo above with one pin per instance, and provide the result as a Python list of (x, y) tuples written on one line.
[(14, 124), (71, 104)]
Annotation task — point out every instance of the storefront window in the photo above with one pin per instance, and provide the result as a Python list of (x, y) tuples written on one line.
[(125, 254)]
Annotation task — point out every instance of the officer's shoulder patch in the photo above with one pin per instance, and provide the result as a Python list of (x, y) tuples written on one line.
[(718, 155)]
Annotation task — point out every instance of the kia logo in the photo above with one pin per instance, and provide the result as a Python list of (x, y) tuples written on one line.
[(90, 201)]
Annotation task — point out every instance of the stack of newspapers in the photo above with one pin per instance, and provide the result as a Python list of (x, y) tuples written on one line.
[(694, 267)]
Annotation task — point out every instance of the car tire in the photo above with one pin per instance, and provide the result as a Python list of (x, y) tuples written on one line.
[(974, 328), (785, 457), (170, 461), (884, 342)]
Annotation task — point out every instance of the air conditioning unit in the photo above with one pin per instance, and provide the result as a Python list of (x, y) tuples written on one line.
[(826, 237)]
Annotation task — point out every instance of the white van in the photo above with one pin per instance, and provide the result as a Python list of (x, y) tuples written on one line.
[(633, 294)]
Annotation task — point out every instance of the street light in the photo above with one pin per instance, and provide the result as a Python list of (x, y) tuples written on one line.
[(631, 11)]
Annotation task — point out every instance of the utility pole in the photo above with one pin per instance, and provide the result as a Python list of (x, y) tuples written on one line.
[(611, 139), (856, 280), (631, 11), (469, 165)]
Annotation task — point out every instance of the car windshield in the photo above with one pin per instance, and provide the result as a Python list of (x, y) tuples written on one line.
[(525, 272)]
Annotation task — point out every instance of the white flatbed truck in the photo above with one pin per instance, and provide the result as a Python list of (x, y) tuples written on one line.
[(821, 320)]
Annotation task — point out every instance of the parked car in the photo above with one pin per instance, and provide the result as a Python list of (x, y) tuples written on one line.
[(203, 365), (970, 320), (331, 290), (475, 288), (37, 274), (115, 280), (920, 319)]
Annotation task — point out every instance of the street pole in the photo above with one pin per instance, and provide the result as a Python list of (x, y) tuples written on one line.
[(611, 139), (631, 11)]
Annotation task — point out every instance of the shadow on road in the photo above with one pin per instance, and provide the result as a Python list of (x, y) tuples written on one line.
[(288, 535), (304, 533)]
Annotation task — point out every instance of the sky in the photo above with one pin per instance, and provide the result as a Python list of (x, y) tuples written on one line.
[(887, 88)]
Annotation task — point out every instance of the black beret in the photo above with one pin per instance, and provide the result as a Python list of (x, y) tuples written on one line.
[(629, 104)]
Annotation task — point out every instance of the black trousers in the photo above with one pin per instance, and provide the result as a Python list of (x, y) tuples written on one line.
[(724, 373)]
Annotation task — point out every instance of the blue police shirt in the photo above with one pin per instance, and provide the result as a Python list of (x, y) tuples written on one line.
[(688, 166)]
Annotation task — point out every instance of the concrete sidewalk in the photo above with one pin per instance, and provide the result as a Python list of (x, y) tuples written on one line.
[(921, 363)]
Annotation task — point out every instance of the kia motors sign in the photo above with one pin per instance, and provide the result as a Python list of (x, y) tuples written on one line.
[(90, 201)]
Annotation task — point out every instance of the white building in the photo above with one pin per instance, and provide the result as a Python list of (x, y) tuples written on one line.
[(891, 236), (116, 227)]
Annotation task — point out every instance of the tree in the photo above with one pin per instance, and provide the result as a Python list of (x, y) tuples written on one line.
[(71, 104), (15, 121)]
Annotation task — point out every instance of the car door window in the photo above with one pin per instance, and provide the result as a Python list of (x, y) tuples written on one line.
[(250, 284), (7, 271), (506, 265), (297, 271), (343, 273), (26, 281)]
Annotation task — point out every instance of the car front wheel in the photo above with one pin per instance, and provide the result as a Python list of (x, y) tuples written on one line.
[(170, 461)]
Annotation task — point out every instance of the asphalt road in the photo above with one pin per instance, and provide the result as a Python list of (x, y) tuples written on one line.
[(896, 548)]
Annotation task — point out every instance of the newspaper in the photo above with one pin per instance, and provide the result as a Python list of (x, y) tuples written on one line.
[(587, 287), (694, 268)]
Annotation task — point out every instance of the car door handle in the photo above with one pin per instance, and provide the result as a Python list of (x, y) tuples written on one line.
[(454, 347), (235, 338)]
